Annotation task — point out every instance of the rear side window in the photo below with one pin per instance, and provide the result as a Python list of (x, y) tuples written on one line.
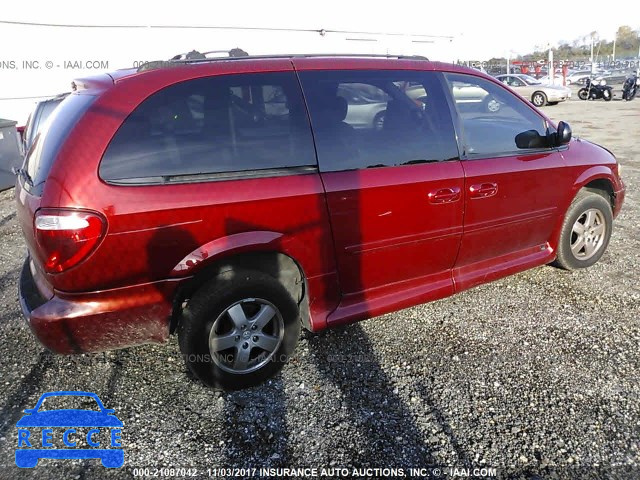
[(215, 125), (52, 134), (366, 119)]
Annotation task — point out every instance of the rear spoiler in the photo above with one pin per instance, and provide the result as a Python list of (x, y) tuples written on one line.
[(96, 83)]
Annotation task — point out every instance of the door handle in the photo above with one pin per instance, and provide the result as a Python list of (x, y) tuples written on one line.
[(445, 195), (483, 190)]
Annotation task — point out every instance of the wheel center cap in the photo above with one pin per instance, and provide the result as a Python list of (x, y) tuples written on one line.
[(246, 334)]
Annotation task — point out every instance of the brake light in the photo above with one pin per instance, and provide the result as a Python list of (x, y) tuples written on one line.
[(66, 237)]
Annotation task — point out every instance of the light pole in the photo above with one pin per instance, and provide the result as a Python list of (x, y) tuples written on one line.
[(552, 68), (593, 67), (613, 57)]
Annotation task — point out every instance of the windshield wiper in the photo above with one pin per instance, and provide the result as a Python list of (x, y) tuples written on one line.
[(24, 173)]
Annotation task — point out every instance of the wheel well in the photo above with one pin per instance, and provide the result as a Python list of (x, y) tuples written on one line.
[(602, 187), (280, 266)]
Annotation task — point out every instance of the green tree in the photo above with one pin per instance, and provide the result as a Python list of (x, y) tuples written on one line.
[(627, 38)]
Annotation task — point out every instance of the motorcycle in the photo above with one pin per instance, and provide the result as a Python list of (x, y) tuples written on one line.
[(595, 91), (630, 87)]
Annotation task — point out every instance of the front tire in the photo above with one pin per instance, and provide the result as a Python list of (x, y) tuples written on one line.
[(239, 329), (585, 232), (539, 99), (583, 94)]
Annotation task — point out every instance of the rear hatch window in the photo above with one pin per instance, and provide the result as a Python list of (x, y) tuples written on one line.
[(39, 118), (50, 138)]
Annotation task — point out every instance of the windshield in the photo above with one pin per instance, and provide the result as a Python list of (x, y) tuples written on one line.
[(529, 80)]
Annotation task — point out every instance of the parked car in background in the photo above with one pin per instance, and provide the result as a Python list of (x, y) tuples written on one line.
[(578, 77), (147, 213), (366, 105), (467, 96), (538, 93), (38, 118)]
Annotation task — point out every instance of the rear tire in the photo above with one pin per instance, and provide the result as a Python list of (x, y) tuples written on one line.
[(583, 94), (239, 329), (378, 121), (607, 95), (585, 232)]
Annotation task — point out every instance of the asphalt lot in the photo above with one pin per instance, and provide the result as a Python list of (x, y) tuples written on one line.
[(535, 375)]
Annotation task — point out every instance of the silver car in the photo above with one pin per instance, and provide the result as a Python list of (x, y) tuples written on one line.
[(464, 94), (366, 105), (539, 93)]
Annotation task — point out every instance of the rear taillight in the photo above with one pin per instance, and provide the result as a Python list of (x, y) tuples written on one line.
[(66, 237)]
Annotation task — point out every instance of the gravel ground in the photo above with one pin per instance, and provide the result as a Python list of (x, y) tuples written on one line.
[(535, 375)]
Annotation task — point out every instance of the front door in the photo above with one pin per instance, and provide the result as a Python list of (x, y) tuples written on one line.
[(394, 185), (512, 194)]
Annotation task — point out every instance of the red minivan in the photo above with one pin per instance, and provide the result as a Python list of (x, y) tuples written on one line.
[(234, 200)]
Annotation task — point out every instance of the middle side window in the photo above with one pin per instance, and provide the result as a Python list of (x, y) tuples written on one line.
[(366, 119)]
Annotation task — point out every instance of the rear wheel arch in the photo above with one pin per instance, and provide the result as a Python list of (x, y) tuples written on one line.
[(276, 264)]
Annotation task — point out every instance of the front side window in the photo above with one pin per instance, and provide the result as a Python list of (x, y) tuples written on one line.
[(366, 119), (494, 121), (215, 125), (513, 82), (530, 80)]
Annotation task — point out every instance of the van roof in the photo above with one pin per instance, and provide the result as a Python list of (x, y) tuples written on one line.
[(258, 63)]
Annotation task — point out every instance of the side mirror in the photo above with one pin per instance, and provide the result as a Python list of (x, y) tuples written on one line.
[(563, 135), (531, 139)]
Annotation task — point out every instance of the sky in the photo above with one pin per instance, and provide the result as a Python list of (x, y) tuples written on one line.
[(461, 30)]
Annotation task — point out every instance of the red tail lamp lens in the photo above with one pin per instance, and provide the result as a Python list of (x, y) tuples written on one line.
[(66, 237)]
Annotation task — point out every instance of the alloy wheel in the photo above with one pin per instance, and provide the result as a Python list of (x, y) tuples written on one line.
[(588, 234), (493, 105), (246, 336)]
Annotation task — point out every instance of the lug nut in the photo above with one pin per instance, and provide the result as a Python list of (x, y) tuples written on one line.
[(245, 345), (255, 338)]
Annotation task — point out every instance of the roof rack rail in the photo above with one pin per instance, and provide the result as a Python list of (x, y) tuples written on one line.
[(195, 55), (239, 54)]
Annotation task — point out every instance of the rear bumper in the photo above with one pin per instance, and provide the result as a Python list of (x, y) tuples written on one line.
[(96, 321)]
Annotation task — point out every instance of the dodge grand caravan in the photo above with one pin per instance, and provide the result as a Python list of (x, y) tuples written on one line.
[(232, 201)]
